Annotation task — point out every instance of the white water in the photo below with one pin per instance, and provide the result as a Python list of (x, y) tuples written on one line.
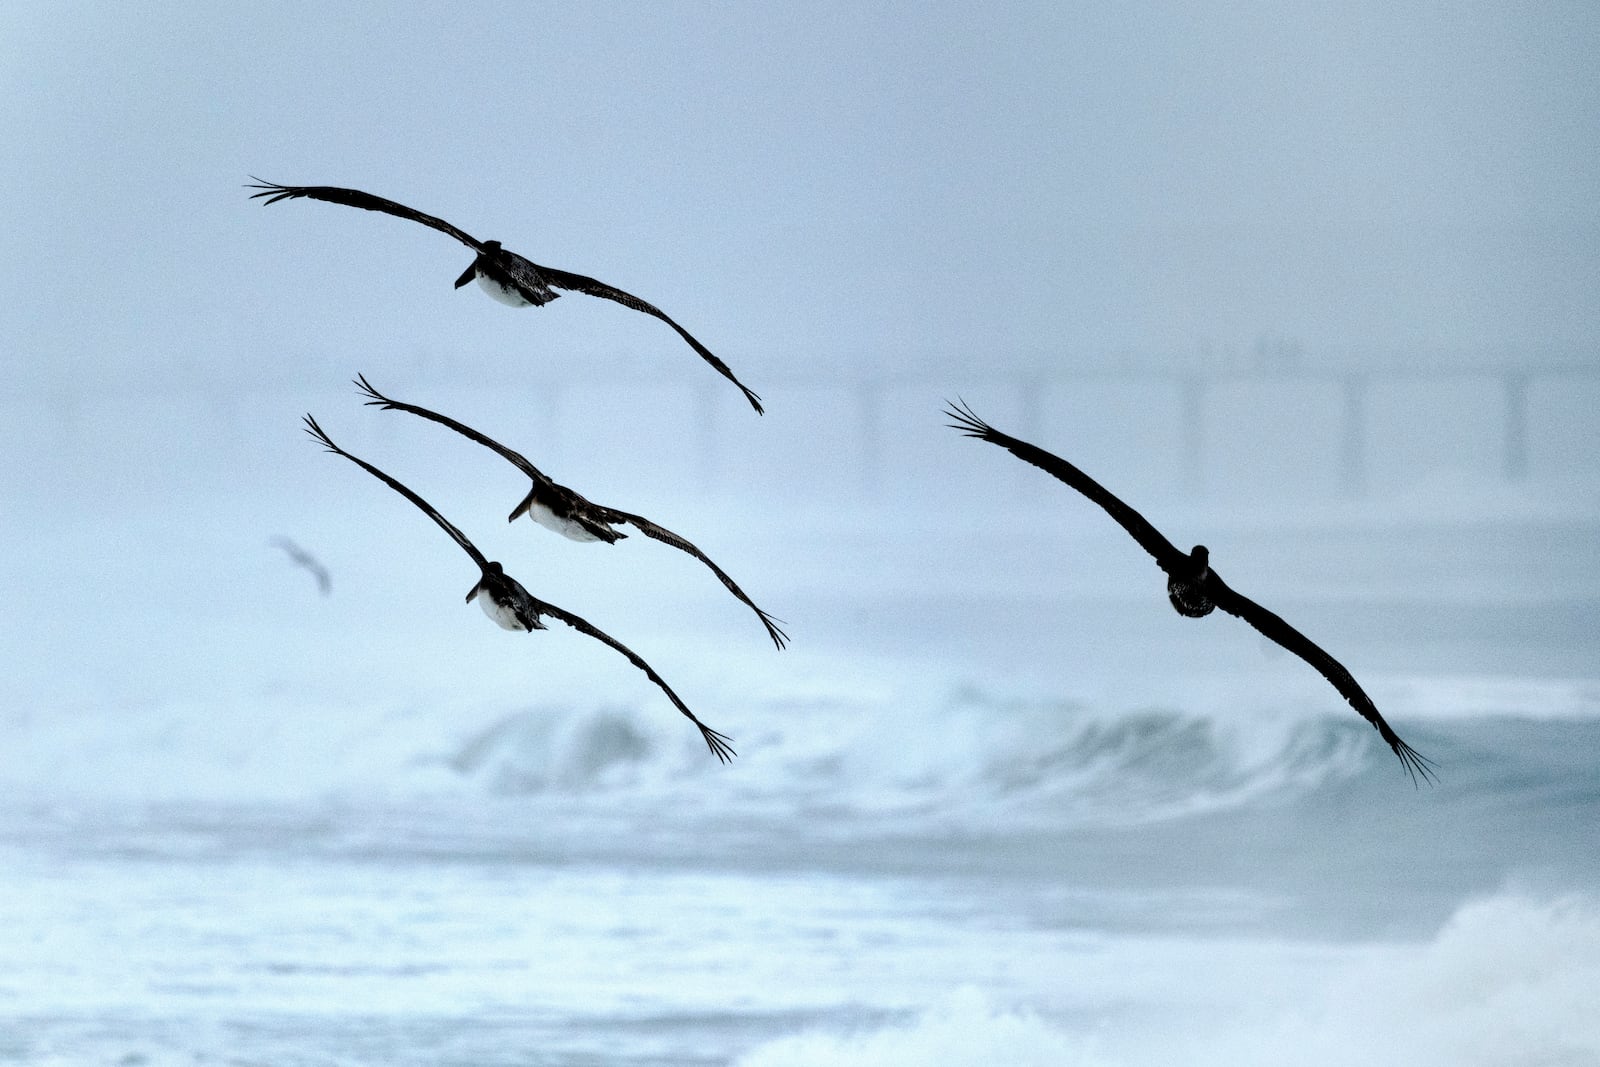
[(1508, 979)]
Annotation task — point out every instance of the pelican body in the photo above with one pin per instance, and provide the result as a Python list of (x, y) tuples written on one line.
[(1193, 586), (500, 272), (568, 512)]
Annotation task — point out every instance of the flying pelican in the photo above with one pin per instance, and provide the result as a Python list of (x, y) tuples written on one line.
[(305, 559), (1192, 586), (568, 512), (501, 273), (512, 607)]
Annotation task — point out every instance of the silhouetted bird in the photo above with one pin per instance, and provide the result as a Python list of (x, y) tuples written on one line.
[(1192, 586), (501, 273), (305, 559), (568, 512), (512, 607)]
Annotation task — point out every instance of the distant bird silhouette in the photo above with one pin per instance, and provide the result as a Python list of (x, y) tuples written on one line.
[(305, 559), (1192, 586), (568, 512), (501, 273), (511, 606)]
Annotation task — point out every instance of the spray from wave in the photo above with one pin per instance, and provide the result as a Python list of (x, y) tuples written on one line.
[(1509, 979), (957, 756)]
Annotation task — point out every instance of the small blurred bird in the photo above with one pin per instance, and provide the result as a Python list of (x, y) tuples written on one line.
[(305, 559)]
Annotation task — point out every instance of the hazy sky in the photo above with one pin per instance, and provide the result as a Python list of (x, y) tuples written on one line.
[(811, 185)]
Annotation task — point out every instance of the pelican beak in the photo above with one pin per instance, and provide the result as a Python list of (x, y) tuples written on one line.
[(522, 508)]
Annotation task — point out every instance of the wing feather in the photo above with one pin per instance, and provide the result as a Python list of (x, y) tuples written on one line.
[(719, 744), (332, 194), (667, 537), (517, 459), (582, 283), (1149, 538), (317, 432), (1272, 626)]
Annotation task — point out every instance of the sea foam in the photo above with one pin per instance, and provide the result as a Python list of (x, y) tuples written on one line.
[(963, 1029)]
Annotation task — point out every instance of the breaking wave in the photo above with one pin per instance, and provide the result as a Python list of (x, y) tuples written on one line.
[(942, 761)]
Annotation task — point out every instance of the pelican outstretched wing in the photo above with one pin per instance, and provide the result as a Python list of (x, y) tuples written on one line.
[(720, 744), (667, 537), (594, 287), (517, 459), (460, 538), (1272, 626), (543, 484), (356, 198), (1149, 538)]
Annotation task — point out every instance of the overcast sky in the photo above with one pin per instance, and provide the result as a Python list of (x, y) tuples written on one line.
[(802, 185)]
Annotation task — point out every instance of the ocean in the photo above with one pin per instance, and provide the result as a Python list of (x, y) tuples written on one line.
[(996, 805)]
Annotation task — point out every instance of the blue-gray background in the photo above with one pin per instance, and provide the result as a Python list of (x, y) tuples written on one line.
[(1315, 285)]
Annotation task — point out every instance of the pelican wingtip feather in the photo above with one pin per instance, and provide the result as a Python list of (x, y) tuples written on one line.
[(1417, 766), (271, 191), (374, 398), (720, 744), (318, 434), (780, 637), (966, 420)]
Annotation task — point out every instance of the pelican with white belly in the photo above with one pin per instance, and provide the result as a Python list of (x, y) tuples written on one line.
[(500, 272), (568, 512)]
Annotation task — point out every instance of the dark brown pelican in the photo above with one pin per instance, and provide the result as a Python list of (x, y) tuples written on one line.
[(305, 559), (501, 273), (512, 607), (568, 512), (1192, 586)]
